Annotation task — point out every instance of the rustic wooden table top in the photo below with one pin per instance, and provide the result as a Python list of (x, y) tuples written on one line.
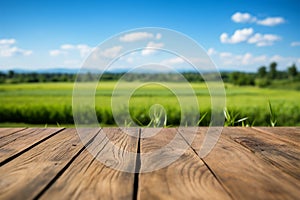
[(53, 163)]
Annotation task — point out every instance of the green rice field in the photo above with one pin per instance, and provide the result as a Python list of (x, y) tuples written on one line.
[(50, 104)]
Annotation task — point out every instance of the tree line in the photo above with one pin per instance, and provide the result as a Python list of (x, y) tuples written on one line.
[(262, 78), (14, 77)]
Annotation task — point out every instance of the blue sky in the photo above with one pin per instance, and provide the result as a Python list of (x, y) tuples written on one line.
[(237, 34)]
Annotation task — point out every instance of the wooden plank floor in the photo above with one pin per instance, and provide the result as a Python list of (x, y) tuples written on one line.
[(54, 163)]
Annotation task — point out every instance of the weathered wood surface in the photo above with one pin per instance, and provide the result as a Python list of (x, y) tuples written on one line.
[(187, 177), (246, 163), (19, 141), (288, 134), (87, 178), (30, 173), (8, 131), (244, 173)]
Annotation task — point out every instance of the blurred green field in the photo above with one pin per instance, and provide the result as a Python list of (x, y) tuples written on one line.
[(41, 104)]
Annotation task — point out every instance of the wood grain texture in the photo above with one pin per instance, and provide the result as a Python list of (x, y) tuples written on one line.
[(22, 140), (277, 152), (185, 178), (288, 134), (88, 178), (17, 135), (243, 173), (8, 131), (246, 163), (26, 176)]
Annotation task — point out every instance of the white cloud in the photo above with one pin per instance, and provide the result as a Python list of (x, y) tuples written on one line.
[(7, 41), (211, 51), (263, 40), (136, 36), (284, 61), (65, 49), (13, 51), (239, 17), (277, 58), (150, 48), (130, 57), (225, 54), (111, 52), (242, 17), (271, 21), (56, 52), (246, 34), (248, 61), (84, 49), (232, 60), (172, 61), (67, 46), (246, 58), (8, 49), (294, 44), (239, 35)]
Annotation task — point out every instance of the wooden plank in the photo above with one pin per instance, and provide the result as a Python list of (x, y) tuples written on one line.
[(285, 156), (185, 178), (25, 140), (8, 131), (243, 173), (22, 134), (29, 174), (12, 137), (289, 134), (88, 178)]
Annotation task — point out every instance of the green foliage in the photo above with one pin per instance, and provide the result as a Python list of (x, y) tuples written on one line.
[(51, 104), (262, 72), (263, 77), (262, 82), (232, 118), (273, 70), (158, 117), (239, 78), (13, 77), (201, 118), (285, 85), (292, 71), (273, 119)]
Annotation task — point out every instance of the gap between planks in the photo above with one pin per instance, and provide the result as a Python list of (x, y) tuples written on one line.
[(23, 140), (26, 176), (244, 171), (55, 189), (88, 178), (205, 163), (59, 174), (187, 176), (232, 145)]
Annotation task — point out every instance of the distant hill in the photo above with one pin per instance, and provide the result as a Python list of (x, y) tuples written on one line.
[(44, 71), (62, 70)]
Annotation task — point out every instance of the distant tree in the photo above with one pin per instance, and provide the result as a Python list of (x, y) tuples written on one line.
[(2, 77), (11, 74), (238, 78), (273, 70), (292, 71), (262, 72)]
